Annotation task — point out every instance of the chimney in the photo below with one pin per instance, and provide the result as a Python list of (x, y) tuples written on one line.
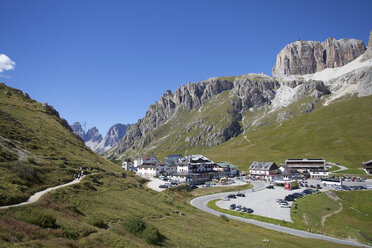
[(370, 39)]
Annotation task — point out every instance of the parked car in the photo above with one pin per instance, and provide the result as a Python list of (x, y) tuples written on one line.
[(285, 206), (296, 195), (249, 210), (163, 186), (240, 195), (232, 207), (270, 187), (243, 209), (344, 187), (238, 208), (226, 199), (289, 198), (231, 196), (283, 203)]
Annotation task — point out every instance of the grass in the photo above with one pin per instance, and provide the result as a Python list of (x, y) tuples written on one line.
[(50, 153), (117, 199), (354, 222), (337, 133), (348, 215)]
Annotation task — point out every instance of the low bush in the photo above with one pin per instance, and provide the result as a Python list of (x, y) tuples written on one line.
[(37, 217), (134, 225), (151, 235), (181, 188), (223, 217), (96, 221)]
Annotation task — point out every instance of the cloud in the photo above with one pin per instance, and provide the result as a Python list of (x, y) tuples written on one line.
[(6, 64)]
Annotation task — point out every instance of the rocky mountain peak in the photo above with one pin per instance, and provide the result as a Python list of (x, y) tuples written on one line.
[(77, 128), (307, 57), (93, 135)]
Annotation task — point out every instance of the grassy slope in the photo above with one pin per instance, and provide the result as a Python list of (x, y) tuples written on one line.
[(339, 133), (55, 152), (353, 222), (114, 200)]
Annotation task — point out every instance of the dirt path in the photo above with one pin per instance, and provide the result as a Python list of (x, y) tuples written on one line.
[(334, 197), (35, 197)]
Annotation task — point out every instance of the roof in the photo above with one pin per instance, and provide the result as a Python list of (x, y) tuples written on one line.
[(174, 156), (305, 160), (226, 165), (265, 166), (195, 159), (148, 157), (368, 162)]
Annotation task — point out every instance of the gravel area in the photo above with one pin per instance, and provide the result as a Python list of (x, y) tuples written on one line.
[(154, 184), (263, 202)]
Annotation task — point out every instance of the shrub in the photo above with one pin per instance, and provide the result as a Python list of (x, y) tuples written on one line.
[(134, 225), (181, 188), (223, 217), (36, 217), (96, 221), (151, 235)]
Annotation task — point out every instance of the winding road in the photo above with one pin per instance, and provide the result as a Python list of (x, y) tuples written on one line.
[(202, 201), (35, 197)]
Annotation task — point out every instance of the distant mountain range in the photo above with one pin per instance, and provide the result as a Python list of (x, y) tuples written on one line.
[(94, 140)]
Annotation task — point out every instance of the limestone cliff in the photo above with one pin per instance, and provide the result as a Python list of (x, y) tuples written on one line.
[(306, 57)]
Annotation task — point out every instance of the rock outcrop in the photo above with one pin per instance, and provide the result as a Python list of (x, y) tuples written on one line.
[(252, 90), (78, 129), (306, 57)]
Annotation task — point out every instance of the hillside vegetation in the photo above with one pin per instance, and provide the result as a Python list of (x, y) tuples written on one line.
[(37, 150), (325, 212), (95, 213), (340, 133)]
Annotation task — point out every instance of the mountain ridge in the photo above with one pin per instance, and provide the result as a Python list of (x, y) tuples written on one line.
[(93, 139), (248, 99)]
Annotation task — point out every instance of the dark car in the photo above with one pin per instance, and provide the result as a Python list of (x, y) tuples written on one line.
[(249, 210), (296, 195), (240, 195), (231, 196), (232, 206), (344, 187), (163, 186), (289, 198), (194, 187), (270, 187)]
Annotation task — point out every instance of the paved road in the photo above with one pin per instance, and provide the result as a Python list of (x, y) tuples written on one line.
[(35, 197), (201, 203)]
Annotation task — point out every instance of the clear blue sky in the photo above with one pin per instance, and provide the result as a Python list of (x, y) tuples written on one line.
[(105, 62)]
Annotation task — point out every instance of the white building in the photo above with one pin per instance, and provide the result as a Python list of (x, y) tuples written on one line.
[(264, 170), (318, 174), (126, 165), (145, 160), (152, 170), (306, 164)]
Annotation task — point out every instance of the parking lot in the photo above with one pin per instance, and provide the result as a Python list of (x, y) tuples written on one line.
[(263, 202)]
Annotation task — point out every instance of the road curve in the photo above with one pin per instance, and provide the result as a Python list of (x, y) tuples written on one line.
[(201, 203), (35, 197)]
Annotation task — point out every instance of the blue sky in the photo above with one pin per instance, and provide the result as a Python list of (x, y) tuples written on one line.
[(105, 62)]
